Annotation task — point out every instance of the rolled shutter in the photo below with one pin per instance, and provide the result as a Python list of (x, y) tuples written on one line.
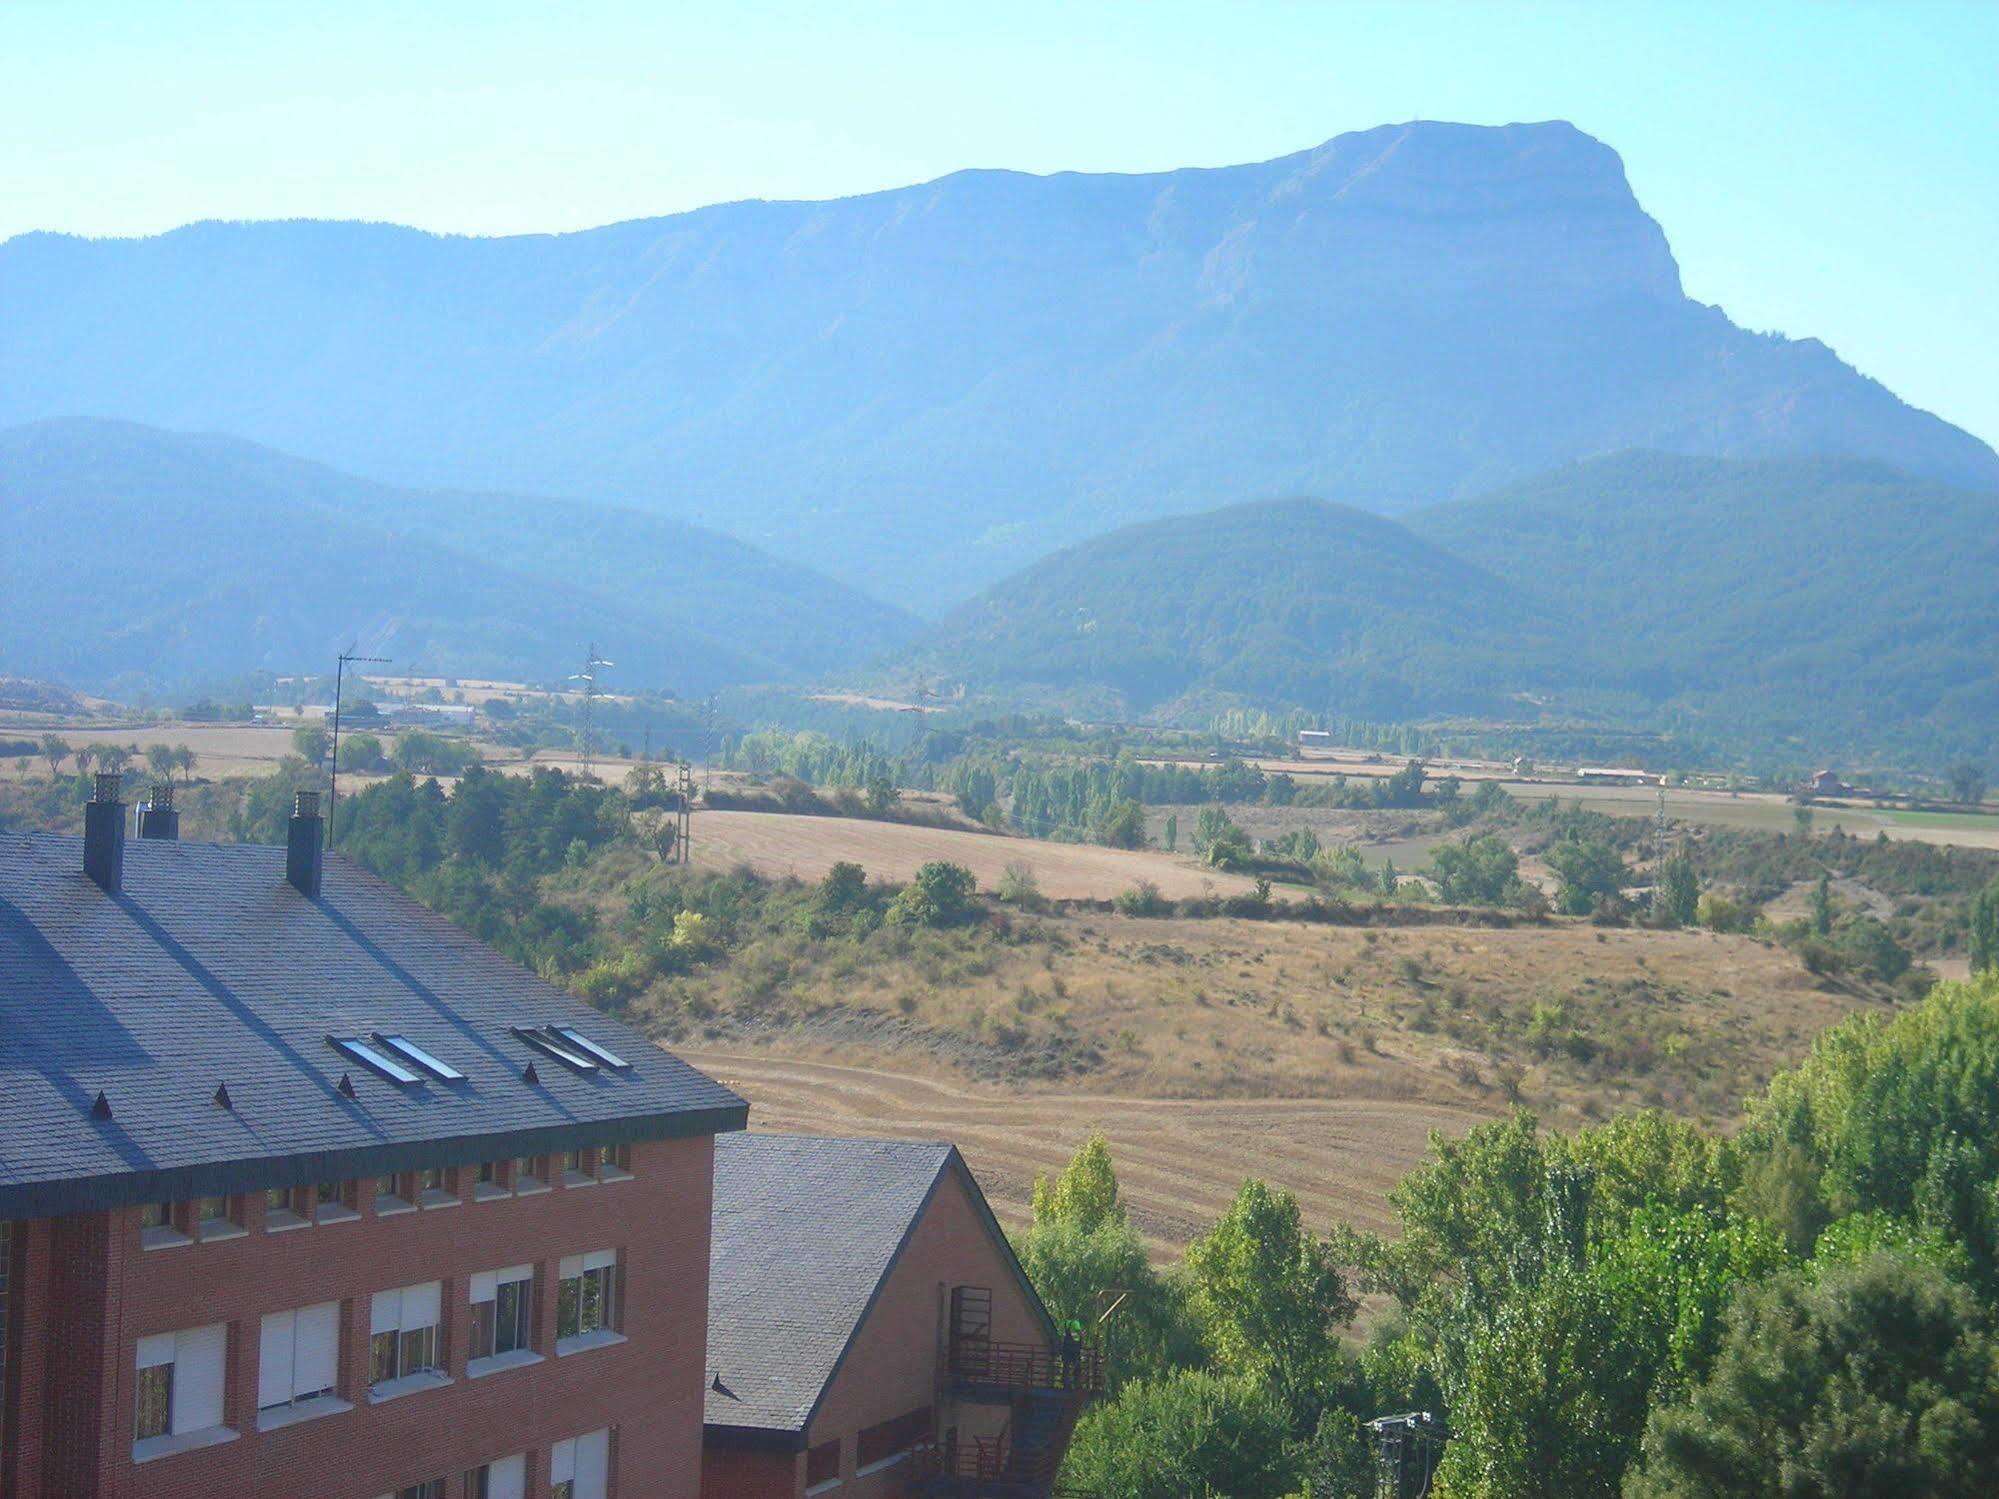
[(421, 1304), (593, 1465), (386, 1315), (514, 1272), (485, 1286), (507, 1478), (598, 1259), (316, 1360), (156, 1350), (274, 1359), (571, 1267), (198, 1360), (562, 1460)]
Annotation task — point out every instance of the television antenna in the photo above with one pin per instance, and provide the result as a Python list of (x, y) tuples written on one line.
[(588, 677), (339, 682)]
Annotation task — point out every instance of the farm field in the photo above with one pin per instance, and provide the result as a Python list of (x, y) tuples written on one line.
[(1179, 1161), (780, 844)]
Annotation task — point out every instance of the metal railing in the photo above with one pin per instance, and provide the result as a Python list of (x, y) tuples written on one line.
[(1026, 1366)]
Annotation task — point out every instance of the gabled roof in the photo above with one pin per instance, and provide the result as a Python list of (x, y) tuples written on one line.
[(209, 970), (807, 1230)]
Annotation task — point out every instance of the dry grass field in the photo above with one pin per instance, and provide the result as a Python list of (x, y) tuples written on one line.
[(781, 844), (1179, 1161)]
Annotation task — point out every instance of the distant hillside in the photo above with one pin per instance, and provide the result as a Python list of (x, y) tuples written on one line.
[(922, 390), (142, 557), (1813, 608), (1819, 603), (1288, 601)]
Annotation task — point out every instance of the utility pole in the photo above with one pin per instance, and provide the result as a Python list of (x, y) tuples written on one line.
[(339, 682), (683, 843)]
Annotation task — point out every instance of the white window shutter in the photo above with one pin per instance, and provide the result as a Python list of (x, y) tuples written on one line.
[(600, 1259), (514, 1272), (593, 1465), (317, 1359), (562, 1460), (571, 1267), (199, 1356), (421, 1304), (274, 1359), (507, 1478), (485, 1286), (386, 1314), (156, 1350)]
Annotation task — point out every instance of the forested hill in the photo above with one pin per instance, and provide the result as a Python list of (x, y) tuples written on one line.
[(1824, 608), (133, 557), (1815, 600), (1283, 601), (922, 390)]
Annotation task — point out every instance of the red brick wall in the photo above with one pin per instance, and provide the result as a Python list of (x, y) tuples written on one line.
[(732, 1473), (893, 1366), (649, 1388)]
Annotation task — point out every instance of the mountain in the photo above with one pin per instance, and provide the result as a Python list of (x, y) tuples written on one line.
[(1816, 602), (1294, 602), (920, 390), (143, 557), (1813, 606)]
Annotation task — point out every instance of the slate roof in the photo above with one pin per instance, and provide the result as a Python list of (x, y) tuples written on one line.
[(208, 968), (806, 1231)]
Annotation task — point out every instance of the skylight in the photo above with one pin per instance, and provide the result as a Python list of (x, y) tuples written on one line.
[(544, 1042), (373, 1060), (409, 1051), (589, 1048)]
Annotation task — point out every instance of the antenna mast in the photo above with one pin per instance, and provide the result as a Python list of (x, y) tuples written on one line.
[(340, 681)]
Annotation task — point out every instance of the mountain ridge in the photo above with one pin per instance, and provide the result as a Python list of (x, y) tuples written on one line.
[(921, 388)]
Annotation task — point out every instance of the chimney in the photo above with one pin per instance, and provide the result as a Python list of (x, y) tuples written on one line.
[(104, 832), (157, 818), (305, 845)]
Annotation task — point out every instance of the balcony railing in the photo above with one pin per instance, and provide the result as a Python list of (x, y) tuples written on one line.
[(1026, 1366)]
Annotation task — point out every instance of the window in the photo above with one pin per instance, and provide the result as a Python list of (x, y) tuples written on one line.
[(215, 1218), (157, 1228), (546, 1043), (180, 1385), (575, 1040), (375, 1061), (571, 1169), (299, 1358), (614, 1162), (156, 1215), (822, 1465), (491, 1185), (504, 1479), (433, 1189), (580, 1467), (888, 1440), (333, 1202), (389, 1196), (586, 1297), (402, 1333), (502, 1311), (286, 1207), (407, 1050), (530, 1173)]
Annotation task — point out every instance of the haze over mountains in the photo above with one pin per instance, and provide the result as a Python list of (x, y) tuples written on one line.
[(133, 558), (920, 390), (1828, 606)]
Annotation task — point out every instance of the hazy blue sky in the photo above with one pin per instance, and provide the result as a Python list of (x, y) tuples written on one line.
[(1829, 169)]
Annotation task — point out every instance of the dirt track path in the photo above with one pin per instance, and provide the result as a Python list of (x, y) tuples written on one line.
[(1179, 1160)]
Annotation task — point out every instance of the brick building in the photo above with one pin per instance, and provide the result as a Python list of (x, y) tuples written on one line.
[(870, 1332), (303, 1191)]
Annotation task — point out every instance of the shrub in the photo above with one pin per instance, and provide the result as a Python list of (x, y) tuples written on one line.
[(1142, 899)]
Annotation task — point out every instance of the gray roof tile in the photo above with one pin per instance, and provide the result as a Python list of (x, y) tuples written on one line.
[(208, 968)]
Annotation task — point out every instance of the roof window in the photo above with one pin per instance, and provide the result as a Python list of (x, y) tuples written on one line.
[(410, 1052), (374, 1060), (544, 1041), (577, 1041)]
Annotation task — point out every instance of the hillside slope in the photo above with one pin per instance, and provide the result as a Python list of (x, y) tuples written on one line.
[(920, 390), (1283, 601), (150, 558)]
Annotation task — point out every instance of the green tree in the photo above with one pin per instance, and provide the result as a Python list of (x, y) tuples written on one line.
[(1172, 831), (940, 894), (160, 760), (1985, 929), (1187, 1435), (1822, 906), (1476, 871), (879, 789), (55, 749), (1801, 820), (1679, 891), (310, 741), (1085, 1193), (1338, 1462), (1874, 1378), (185, 760), (1967, 782), (1589, 871), (361, 752), (1270, 1297), (1123, 824), (1220, 842)]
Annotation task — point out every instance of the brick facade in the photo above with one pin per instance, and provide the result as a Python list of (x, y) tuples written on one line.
[(85, 1292), (894, 1364)]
